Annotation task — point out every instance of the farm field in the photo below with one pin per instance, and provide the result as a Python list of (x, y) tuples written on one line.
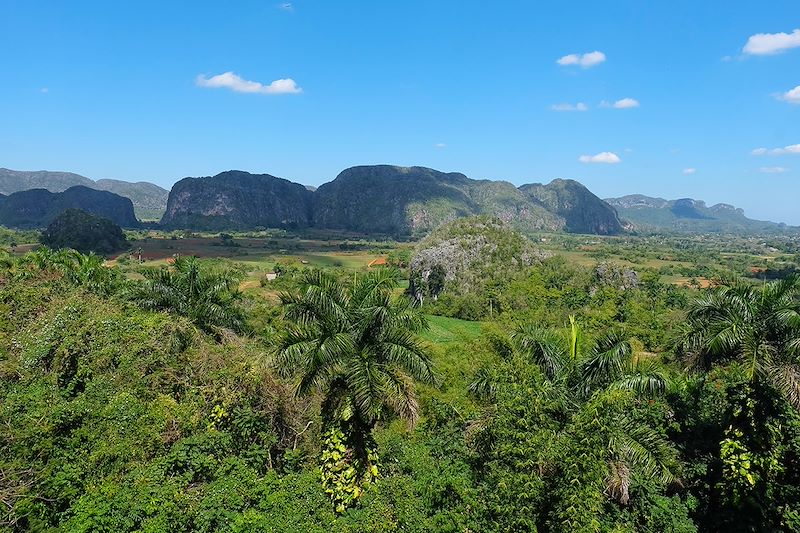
[(678, 260)]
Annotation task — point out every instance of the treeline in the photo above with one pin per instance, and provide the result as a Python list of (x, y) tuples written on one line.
[(172, 402)]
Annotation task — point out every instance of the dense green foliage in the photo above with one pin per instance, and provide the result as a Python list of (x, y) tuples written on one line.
[(468, 256), (12, 238), (590, 398), (84, 232), (207, 298), (356, 346)]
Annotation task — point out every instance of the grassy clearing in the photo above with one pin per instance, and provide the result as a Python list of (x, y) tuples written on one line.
[(445, 330), (458, 352)]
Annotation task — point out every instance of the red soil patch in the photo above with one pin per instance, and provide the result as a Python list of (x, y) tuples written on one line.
[(703, 282)]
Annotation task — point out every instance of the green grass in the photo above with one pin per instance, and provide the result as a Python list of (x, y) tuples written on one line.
[(457, 353), (445, 330)]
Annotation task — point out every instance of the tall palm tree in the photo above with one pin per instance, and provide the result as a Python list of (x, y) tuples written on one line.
[(357, 345), (755, 325), (580, 374), (208, 298), (608, 362)]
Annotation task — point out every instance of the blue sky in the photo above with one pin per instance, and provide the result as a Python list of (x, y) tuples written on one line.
[(139, 91)]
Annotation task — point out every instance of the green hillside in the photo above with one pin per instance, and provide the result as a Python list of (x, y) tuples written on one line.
[(686, 215), (149, 200)]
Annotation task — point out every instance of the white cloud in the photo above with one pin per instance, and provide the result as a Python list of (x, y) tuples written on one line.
[(791, 149), (587, 60), (689, 170), (792, 96), (580, 106), (625, 103), (773, 170), (602, 157), (44, 90), (286, 6), (440, 145), (762, 44), (234, 82)]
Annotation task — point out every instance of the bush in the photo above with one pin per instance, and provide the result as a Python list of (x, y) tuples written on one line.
[(84, 232)]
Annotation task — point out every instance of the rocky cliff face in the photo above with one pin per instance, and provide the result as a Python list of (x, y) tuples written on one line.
[(414, 200), (582, 211), (467, 253), (384, 199), (238, 200), (388, 199), (36, 208)]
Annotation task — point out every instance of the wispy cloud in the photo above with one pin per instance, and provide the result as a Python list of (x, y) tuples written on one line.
[(791, 149), (763, 44), (586, 60), (792, 96), (690, 170), (625, 103), (580, 106), (286, 6), (234, 82), (773, 170), (602, 157), (440, 145), (44, 90)]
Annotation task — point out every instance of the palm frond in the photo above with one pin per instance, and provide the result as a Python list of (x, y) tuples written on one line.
[(644, 383), (544, 347), (786, 379), (644, 449), (607, 359)]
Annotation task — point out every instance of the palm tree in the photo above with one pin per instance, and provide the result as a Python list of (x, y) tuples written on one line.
[(757, 326), (356, 345), (208, 298), (582, 375), (87, 271), (609, 362)]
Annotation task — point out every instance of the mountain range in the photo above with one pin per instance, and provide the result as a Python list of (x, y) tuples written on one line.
[(383, 199), (36, 208), (149, 200), (687, 215), (376, 199)]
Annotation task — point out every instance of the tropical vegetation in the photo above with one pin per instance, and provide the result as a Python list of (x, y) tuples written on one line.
[(584, 398)]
